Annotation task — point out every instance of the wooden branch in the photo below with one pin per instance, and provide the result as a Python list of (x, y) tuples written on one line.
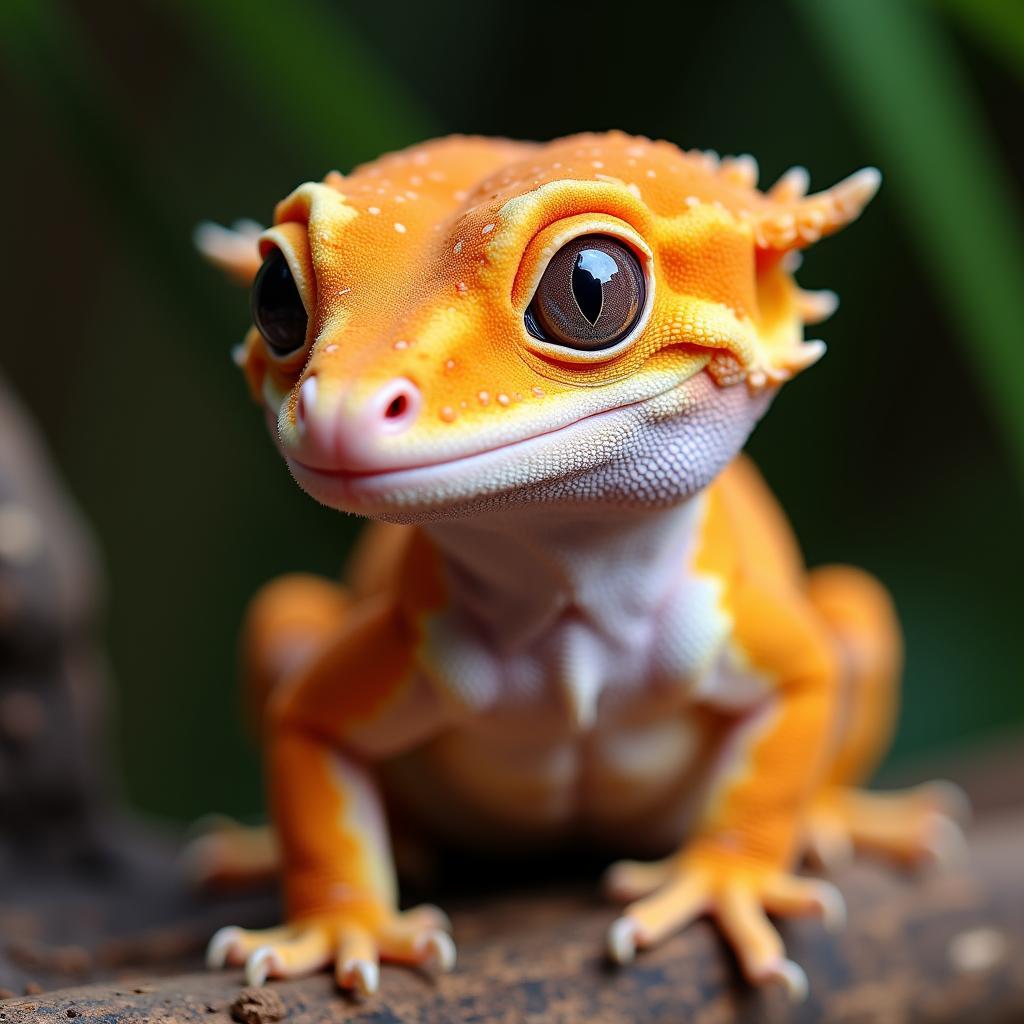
[(944, 945)]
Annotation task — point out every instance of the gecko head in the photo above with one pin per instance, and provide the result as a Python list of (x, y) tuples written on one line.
[(478, 323)]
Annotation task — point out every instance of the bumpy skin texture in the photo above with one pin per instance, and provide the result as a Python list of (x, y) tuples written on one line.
[(580, 611)]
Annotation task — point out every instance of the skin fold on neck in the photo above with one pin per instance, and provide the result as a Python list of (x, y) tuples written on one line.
[(516, 572)]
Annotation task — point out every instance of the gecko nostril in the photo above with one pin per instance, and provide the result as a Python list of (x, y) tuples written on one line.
[(396, 405), (397, 408)]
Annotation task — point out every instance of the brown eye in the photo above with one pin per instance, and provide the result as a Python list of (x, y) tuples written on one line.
[(277, 308), (590, 296)]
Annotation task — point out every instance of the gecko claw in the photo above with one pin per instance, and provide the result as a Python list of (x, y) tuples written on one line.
[(623, 938), (946, 845), (833, 907), (261, 963), (221, 946), (360, 976), (436, 951), (950, 799), (792, 976)]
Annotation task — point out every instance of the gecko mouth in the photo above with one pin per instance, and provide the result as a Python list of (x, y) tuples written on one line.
[(342, 473), (485, 471)]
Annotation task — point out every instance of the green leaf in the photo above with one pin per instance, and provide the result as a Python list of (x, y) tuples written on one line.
[(998, 23), (51, 58), (905, 84)]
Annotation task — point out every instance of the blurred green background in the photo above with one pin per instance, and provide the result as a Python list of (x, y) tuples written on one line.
[(126, 123)]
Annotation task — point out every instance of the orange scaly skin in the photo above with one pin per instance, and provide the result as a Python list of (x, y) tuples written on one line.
[(587, 614)]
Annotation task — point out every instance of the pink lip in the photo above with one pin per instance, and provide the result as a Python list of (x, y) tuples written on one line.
[(342, 474)]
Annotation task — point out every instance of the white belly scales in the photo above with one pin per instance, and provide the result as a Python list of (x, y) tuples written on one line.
[(584, 732)]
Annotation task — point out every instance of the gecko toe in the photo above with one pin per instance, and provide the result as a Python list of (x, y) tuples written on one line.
[(623, 938), (261, 964), (436, 951), (221, 946)]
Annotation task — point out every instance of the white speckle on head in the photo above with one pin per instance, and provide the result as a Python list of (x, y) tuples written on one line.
[(457, 248), (400, 344), (373, 209), (344, 291), (331, 348), (449, 364), (596, 164), (399, 199), (634, 189), (503, 399), (400, 228), (460, 195), (461, 287), (487, 229), (651, 173), (483, 397), (692, 201)]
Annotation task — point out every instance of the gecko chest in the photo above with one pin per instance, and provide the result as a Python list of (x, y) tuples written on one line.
[(586, 728)]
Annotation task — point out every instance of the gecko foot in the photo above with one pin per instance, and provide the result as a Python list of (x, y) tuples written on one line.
[(225, 854), (668, 895), (417, 937), (911, 826)]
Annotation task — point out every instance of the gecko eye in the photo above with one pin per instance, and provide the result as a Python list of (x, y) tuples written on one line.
[(277, 308), (591, 295)]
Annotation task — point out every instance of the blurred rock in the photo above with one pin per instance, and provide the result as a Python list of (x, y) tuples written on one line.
[(52, 672)]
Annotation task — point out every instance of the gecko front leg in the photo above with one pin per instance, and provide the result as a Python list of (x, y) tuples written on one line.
[(363, 692), (739, 866)]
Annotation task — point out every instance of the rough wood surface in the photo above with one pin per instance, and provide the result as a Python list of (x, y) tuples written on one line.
[(947, 945)]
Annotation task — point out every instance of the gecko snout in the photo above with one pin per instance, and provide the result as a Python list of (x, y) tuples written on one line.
[(335, 434)]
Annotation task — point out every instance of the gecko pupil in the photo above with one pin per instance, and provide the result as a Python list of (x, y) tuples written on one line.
[(590, 296), (277, 308), (593, 268)]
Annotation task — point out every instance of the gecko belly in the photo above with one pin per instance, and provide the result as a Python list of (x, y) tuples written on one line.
[(633, 786)]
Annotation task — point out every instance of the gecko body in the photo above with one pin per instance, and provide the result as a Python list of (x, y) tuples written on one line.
[(579, 612)]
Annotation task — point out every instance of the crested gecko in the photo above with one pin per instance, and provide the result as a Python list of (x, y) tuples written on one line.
[(578, 610)]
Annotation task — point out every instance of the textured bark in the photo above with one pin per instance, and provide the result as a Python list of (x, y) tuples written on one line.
[(945, 945)]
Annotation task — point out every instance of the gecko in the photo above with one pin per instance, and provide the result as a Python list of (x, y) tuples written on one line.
[(577, 611)]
